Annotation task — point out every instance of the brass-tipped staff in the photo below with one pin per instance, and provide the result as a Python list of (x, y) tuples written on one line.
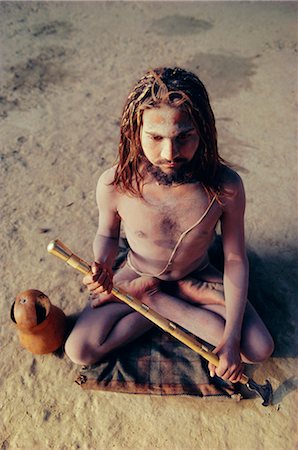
[(60, 250)]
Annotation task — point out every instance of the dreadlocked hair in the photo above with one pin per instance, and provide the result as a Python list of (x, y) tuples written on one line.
[(177, 88)]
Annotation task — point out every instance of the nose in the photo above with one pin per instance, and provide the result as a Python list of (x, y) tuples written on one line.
[(169, 150)]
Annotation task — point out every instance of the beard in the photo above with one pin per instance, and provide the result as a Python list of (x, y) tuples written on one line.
[(184, 175)]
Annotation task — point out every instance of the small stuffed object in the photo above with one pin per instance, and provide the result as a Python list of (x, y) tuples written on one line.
[(41, 325)]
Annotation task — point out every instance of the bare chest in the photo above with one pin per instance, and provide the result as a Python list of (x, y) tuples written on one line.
[(163, 216)]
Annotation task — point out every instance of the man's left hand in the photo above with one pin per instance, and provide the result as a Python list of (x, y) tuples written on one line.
[(230, 366)]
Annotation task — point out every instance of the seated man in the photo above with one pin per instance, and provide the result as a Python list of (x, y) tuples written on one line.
[(169, 190)]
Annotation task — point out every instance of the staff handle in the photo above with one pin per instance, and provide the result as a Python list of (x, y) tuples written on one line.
[(60, 250)]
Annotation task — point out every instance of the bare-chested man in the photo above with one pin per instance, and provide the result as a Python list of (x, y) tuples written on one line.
[(169, 190)]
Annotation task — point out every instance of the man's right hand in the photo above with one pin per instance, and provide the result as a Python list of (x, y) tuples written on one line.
[(101, 280)]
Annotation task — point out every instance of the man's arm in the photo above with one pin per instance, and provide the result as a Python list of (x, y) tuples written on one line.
[(235, 278), (105, 244)]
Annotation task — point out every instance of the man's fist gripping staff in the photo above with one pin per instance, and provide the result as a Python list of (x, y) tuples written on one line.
[(100, 280)]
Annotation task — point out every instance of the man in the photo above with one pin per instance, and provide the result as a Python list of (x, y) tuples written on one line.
[(169, 190)]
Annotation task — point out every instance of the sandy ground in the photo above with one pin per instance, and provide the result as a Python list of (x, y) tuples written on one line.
[(66, 71)]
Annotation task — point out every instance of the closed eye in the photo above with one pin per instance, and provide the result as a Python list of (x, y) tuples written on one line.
[(156, 138), (183, 136)]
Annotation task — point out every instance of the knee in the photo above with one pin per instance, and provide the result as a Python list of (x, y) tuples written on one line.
[(262, 351), (267, 348), (80, 353)]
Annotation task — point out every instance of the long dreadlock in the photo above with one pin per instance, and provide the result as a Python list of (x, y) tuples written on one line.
[(178, 88)]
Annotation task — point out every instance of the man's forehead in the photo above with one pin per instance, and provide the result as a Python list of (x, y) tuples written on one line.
[(166, 115)]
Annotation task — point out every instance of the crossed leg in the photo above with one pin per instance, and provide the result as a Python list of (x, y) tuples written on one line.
[(198, 309), (98, 331)]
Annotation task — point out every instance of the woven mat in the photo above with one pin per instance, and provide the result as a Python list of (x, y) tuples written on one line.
[(155, 364)]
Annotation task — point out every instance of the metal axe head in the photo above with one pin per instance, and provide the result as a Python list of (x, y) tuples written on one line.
[(263, 390)]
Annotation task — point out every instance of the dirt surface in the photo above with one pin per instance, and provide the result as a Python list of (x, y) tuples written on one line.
[(66, 70)]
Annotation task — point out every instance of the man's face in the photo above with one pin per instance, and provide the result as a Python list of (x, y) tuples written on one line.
[(168, 137)]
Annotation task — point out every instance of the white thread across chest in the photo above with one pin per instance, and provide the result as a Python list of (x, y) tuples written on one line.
[(182, 236)]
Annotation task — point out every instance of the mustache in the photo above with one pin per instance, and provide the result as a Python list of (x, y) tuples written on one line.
[(175, 160)]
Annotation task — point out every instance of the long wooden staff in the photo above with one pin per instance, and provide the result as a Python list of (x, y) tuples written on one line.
[(60, 250)]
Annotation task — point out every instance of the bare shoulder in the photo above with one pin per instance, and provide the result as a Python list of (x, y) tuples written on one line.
[(107, 177), (105, 190), (232, 189)]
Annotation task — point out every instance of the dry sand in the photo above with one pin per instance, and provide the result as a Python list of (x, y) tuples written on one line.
[(66, 71)]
